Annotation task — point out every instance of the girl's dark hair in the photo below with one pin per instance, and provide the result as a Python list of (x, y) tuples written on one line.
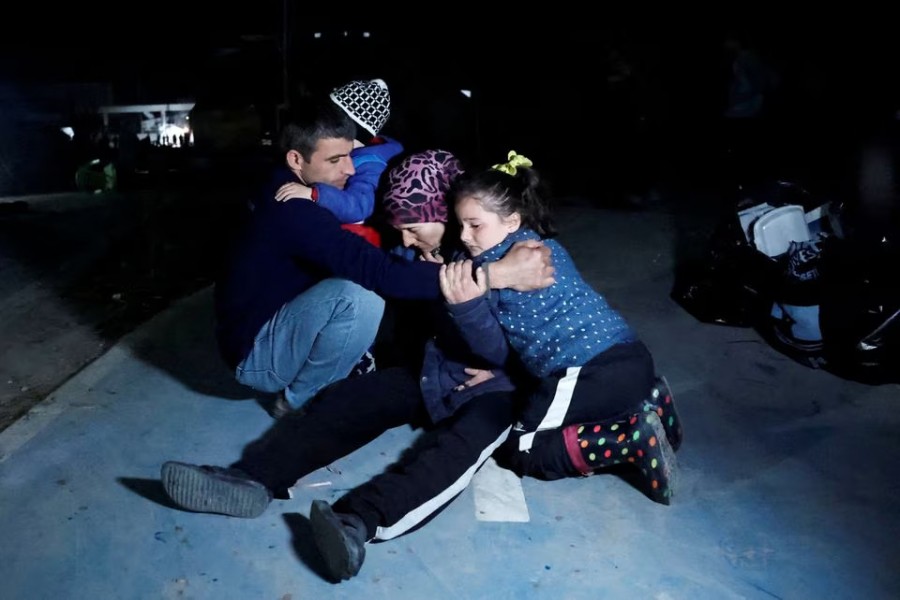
[(504, 194)]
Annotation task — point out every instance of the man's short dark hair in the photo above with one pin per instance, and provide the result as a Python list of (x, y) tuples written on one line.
[(311, 121)]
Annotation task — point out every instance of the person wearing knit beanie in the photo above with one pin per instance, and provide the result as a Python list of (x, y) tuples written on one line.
[(367, 105)]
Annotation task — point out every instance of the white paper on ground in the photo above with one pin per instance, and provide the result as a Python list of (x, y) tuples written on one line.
[(499, 495)]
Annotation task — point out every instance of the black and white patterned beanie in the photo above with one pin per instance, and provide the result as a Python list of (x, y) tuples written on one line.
[(366, 102)]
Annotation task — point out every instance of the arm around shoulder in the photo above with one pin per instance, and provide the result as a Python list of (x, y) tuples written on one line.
[(526, 267)]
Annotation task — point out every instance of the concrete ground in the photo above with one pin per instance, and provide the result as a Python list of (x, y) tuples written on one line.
[(787, 487), (79, 270)]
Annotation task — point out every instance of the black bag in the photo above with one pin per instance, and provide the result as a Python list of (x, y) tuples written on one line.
[(731, 284)]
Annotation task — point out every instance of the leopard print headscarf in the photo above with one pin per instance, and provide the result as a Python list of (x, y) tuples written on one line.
[(418, 186)]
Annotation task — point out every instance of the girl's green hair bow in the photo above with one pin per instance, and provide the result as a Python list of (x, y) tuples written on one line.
[(515, 161)]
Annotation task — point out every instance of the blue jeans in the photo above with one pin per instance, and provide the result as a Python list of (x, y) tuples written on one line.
[(313, 340)]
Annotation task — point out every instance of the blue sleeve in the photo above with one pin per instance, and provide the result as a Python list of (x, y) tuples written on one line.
[(481, 330), (356, 201)]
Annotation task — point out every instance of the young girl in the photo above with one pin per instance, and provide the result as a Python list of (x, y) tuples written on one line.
[(598, 402)]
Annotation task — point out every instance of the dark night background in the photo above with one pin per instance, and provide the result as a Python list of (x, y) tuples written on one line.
[(541, 81)]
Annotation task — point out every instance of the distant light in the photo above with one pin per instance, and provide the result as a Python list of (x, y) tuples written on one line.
[(173, 134), (318, 35), (69, 132), (466, 93), (346, 34), (366, 34)]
